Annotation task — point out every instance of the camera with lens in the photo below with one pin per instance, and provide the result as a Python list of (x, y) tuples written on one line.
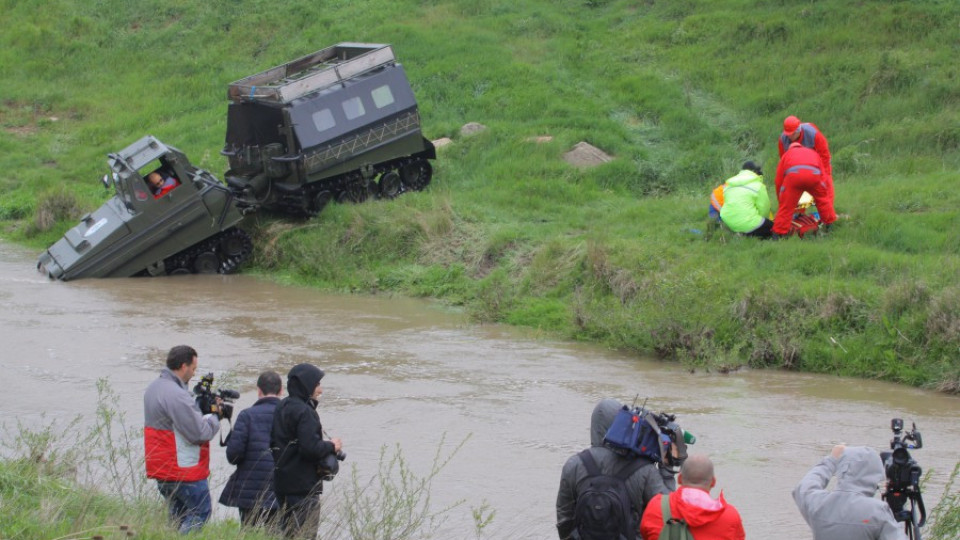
[(653, 436), (207, 398), (330, 465), (903, 474)]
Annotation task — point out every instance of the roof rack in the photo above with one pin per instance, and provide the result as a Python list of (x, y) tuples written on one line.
[(324, 68)]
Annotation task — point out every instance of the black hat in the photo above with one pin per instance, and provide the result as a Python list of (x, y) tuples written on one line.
[(751, 166)]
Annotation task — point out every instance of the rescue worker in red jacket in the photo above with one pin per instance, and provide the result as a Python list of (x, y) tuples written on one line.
[(810, 136), (706, 517), (800, 169), (176, 441)]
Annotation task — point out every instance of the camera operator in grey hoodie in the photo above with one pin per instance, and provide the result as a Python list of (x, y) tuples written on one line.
[(850, 511)]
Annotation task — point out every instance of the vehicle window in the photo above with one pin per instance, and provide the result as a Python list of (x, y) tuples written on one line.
[(140, 185), (151, 166), (382, 96), (353, 108), (323, 120)]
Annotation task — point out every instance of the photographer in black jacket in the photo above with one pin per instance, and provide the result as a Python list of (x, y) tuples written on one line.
[(298, 449)]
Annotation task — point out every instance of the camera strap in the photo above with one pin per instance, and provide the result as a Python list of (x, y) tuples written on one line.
[(225, 441)]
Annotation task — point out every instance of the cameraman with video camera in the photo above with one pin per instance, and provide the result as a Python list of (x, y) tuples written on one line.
[(300, 453), (850, 511), (176, 440), (642, 480)]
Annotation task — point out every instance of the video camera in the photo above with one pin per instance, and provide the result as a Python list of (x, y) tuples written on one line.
[(330, 465), (207, 398), (903, 473), (653, 436)]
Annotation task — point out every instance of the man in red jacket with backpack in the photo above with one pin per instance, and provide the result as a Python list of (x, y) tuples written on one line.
[(707, 518)]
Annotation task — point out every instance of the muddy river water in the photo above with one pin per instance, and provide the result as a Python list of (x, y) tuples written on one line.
[(408, 372)]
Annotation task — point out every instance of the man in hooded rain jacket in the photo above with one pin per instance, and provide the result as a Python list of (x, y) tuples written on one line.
[(642, 485), (707, 518), (746, 203), (296, 440), (850, 511)]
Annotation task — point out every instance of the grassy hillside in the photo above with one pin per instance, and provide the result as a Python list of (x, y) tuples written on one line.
[(679, 92)]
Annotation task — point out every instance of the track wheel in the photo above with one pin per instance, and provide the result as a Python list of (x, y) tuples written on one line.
[(356, 192), (206, 263), (416, 175), (232, 246), (320, 201), (179, 271), (390, 185)]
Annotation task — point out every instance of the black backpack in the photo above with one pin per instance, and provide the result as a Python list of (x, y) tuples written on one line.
[(604, 510)]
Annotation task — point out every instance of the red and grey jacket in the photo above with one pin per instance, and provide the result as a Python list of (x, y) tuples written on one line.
[(812, 138), (175, 435)]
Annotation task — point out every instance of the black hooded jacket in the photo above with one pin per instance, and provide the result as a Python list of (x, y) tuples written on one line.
[(296, 436)]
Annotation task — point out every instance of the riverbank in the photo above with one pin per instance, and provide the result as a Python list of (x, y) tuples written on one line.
[(619, 254)]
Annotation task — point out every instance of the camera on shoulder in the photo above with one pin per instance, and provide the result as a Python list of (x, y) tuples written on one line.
[(653, 436), (207, 398)]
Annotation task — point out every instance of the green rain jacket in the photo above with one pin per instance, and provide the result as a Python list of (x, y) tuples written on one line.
[(745, 202)]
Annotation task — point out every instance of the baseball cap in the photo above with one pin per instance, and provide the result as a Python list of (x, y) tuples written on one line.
[(790, 125)]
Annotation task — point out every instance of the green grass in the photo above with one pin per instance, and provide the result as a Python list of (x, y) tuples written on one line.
[(680, 93)]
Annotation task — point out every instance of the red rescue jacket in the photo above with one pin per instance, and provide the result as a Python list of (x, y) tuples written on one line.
[(708, 518)]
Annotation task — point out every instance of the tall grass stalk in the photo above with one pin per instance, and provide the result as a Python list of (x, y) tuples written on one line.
[(946, 514), (394, 503)]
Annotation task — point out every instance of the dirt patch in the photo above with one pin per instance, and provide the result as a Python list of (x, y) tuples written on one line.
[(21, 131), (584, 155), (25, 119)]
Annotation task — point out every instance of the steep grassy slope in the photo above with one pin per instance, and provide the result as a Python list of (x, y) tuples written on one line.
[(679, 92)]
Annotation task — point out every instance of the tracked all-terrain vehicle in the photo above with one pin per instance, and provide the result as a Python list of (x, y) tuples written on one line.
[(339, 124), (188, 227)]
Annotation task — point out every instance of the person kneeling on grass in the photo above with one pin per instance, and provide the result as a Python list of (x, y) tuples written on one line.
[(746, 203)]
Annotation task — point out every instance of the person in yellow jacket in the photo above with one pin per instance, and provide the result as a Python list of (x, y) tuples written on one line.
[(746, 203)]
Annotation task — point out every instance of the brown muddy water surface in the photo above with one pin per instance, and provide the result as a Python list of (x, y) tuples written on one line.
[(407, 372)]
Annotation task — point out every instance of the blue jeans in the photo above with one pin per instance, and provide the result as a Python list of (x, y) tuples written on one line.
[(189, 503)]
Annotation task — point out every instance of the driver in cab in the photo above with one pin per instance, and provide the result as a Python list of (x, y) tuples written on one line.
[(160, 184)]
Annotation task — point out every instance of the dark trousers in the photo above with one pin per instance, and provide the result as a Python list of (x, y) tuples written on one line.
[(258, 517), (763, 231), (299, 516)]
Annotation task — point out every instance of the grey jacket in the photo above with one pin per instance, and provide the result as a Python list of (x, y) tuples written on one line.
[(170, 407), (850, 511), (643, 485)]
